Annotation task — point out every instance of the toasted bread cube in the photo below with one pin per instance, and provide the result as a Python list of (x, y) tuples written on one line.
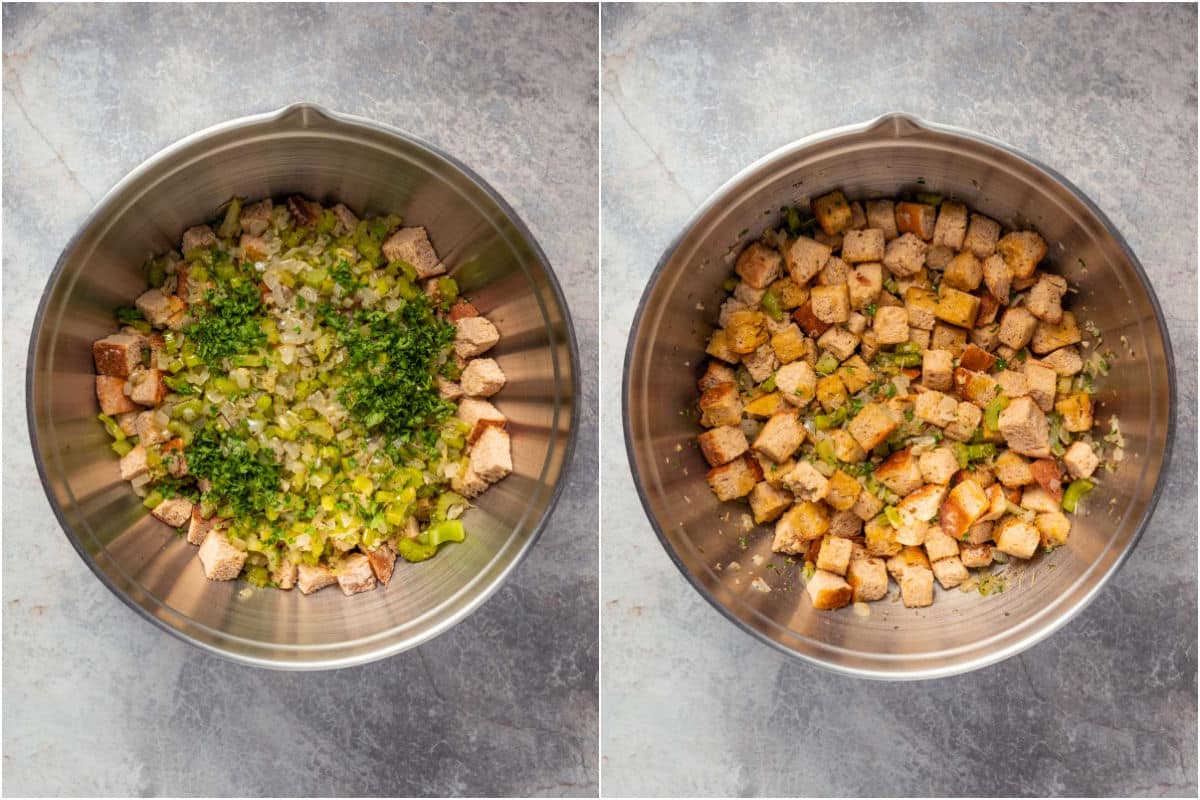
[(880, 537), (1035, 498), (355, 575), (474, 336), (768, 503), (951, 227), (412, 246), (868, 348), (383, 562), (905, 256), (1025, 428), (843, 491), (937, 370), (977, 387), (978, 533), (175, 511), (838, 341), (765, 405), (937, 257), (804, 258), (873, 425), (220, 559), (789, 293), (1012, 384), (1016, 537), (891, 325), (110, 392), (867, 577), (160, 310), (146, 387), (781, 436), (965, 504), (964, 272), (311, 578), (975, 556), (1017, 326), (133, 464), (1012, 470), (722, 445), (747, 331), (916, 585), (759, 265), (1076, 411), (774, 473), (798, 526), (845, 449), (1042, 382), (845, 524), (285, 574), (789, 344), (1080, 460), (989, 309), (719, 347), (808, 321), (986, 337), (1064, 361), (997, 504), (834, 555), (735, 479), (976, 359), (863, 246), (967, 417), (1022, 251), (830, 304), (797, 382), (118, 354), (1054, 527), (761, 364), (948, 337), (858, 217), (831, 392), (982, 235), (199, 527), (955, 307), (833, 213), (827, 590), (721, 405), (864, 284), (491, 454), (855, 374), (857, 324), (997, 277), (918, 219), (480, 414), (834, 272), (935, 408), (1048, 338), (1045, 298), (197, 237), (806, 483), (482, 377), (938, 466), (900, 472), (940, 545), (923, 504), (881, 214), (715, 373), (950, 572), (867, 506)]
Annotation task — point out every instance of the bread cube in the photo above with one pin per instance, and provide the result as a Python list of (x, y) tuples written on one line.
[(1048, 337), (997, 504), (722, 445), (881, 214), (1012, 384), (1053, 527), (1036, 498), (831, 392), (721, 405), (891, 325), (715, 373), (964, 272), (834, 272), (1077, 413), (118, 354), (937, 370), (1064, 361), (975, 556), (1080, 460), (480, 415), (997, 277), (110, 392), (1045, 298), (843, 491), (827, 590), (761, 364), (982, 235), (845, 524), (871, 426), (474, 336), (759, 265), (735, 479), (986, 337), (355, 575), (951, 227), (867, 576), (989, 308), (765, 405), (976, 359), (935, 408), (916, 586), (797, 382), (1017, 326), (855, 374), (940, 545), (879, 537), (845, 448), (967, 417), (918, 219), (175, 511), (789, 293), (923, 504), (905, 256), (491, 454), (977, 387), (864, 283), (1022, 251), (746, 331), (965, 504), (948, 337), (955, 307), (1042, 382), (719, 347), (221, 560), (806, 483), (838, 341), (808, 321), (781, 436), (798, 526), (482, 377), (863, 246), (833, 213), (313, 578), (950, 572), (199, 527), (789, 344), (834, 555), (1016, 538), (900, 472), (1025, 428), (830, 304), (867, 506), (197, 237), (804, 258), (146, 387), (1012, 470), (160, 310), (412, 246), (768, 503), (937, 466)]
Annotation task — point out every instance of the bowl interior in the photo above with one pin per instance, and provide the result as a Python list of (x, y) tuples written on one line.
[(666, 352), (373, 170)]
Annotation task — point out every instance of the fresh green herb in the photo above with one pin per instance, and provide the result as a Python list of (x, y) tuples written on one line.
[(127, 315), (243, 475), (871, 309), (231, 324)]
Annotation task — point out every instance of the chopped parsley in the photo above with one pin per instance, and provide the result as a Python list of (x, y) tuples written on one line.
[(246, 480), (231, 324)]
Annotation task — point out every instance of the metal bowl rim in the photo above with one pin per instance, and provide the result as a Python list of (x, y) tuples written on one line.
[(146, 168), (1024, 641)]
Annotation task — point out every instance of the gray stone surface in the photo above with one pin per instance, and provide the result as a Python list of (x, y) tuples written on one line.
[(691, 705), (97, 701)]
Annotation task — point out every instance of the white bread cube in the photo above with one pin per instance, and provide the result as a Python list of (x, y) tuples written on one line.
[(199, 527), (220, 559), (285, 574), (982, 235), (148, 430), (905, 256), (480, 414), (449, 390), (900, 472), (474, 336), (1045, 298), (256, 218), (1016, 537), (110, 392), (759, 265), (839, 341), (160, 310), (118, 354), (804, 258), (967, 417), (924, 503), (383, 562), (1012, 384), (1064, 361), (867, 506), (1025, 428), (762, 362), (491, 455), (975, 556), (864, 283), (133, 464), (468, 483), (845, 524), (412, 246), (868, 578), (1080, 460), (355, 575), (916, 218), (833, 213), (1016, 327), (1037, 499), (834, 555), (916, 586), (723, 444), (935, 408), (920, 304), (891, 325), (798, 526), (781, 436), (997, 277), (735, 479), (797, 382), (938, 465), (863, 246), (482, 377), (198, 236), (828, 591), (939, 545), (951, 227), (937, 370), (830, 304), (175, 511), (1012, 470), (805, 483), (1043, 383), (146, 387), (715, 373), (311, 578), (950, 572), (881, 214)]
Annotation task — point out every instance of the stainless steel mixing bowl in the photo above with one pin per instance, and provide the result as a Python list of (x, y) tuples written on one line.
[(961, 631), (374, 169)]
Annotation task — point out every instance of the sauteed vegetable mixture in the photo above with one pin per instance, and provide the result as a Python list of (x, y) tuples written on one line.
[(302, 394), (897, 387)]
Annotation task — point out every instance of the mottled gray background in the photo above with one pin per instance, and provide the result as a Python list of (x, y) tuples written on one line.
[(1106, 95), (99, 702)]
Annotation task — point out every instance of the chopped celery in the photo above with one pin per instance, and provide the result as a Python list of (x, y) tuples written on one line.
[(413, 550), (1075, 492), (122, 447), (447, 530), (991, 414), (826, 364), (770, 304)]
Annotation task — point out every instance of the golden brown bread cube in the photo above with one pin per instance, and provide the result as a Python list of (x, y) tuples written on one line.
[(1080, 460), (781, 436), (1045, 298), (759, 265), (1064, 361), (845, 449), (1022, 251), (789, 344), (767, 502), (838, 341), (804, 258), (1053, 527), (735, 479), (937, 369), (967, 417), (868, 579), (830, 304), (118, 354), (720, 405), (871, 426), (831, 392), (719, 347), (975, 556), (765, 405), (747, 331), (880, 537), (891, 325), (976, 359), (900, 472), (856, 374), (834, 555), (965, 504), (798, 526), (938, 465), (806, 483), (797, 383), (951, 227), (950, 572), (722, 444), (935, 408), (918, 219), (833, 213), (715, 373), (1048, 337), (881, 214), (843, 491), (977, 387), (1076, 410), (1016, 537), (956, 307), (964, 272), (828, 591), (982, 235), (948, 337), (1012, 470)]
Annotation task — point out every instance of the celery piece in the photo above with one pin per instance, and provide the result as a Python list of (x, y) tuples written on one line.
[(111, 426), (978, 452), (122, 447), (412, 550), (446, 502), (1075, 492), (448, 530), (825, 452), (230, 226), (991, 414), (893, 516), (929, 199), (963, 454), (770, 304), (448, 289), (826, 364), (152, 500)]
